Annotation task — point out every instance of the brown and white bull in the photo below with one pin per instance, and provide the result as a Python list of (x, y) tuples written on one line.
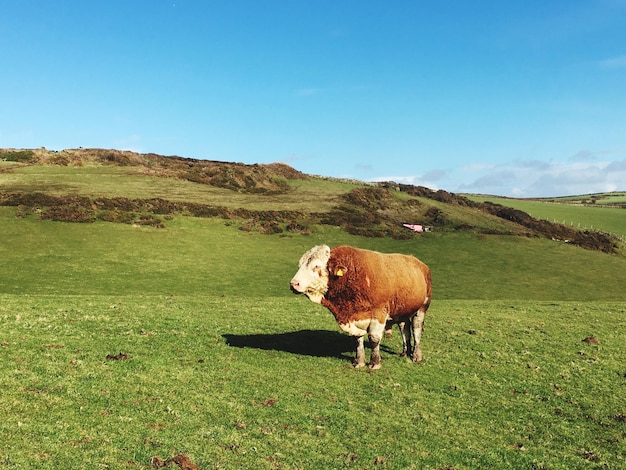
[(368, 292)]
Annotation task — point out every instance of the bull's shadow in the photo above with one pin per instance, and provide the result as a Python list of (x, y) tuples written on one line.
[(317, 343)]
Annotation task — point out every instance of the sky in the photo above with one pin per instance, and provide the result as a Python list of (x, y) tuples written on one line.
[(522, 99)]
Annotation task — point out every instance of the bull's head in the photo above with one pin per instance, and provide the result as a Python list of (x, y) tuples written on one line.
[(312, 276)]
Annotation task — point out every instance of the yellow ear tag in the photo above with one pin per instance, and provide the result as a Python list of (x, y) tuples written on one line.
[(339, 273)]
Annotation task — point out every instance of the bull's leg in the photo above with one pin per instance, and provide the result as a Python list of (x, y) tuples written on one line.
[(388, 329), (405, 331), (418, 326), (375, 334), (359, 360)]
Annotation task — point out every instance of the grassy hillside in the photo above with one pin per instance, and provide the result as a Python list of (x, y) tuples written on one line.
[(215, 257), (474, 253), (163, 327), (83, 185), (570, 211), (614, 198)]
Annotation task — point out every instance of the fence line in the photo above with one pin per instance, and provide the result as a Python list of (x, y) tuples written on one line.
[(619, 237)]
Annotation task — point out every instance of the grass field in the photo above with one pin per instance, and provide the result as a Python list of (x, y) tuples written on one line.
[(194, 256), (240, 382), (122, 343), (608, 219), (225, 365), (600, 198)]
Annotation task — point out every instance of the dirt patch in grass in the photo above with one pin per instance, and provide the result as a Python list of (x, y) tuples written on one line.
[(620, 417), (118, 357), (182, 461), (591, 340)]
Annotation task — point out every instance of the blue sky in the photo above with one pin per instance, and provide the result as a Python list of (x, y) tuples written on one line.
[(500, 97)]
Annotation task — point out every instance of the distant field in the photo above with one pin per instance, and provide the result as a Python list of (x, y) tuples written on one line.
[(612, 220), (616, 197)]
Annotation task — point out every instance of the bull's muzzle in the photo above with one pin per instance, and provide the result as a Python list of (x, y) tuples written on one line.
[(295, 287)]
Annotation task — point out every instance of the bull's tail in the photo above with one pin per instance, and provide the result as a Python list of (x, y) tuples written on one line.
[(429, 290)]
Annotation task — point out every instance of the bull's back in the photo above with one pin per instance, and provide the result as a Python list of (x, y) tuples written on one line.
[(401, 283)]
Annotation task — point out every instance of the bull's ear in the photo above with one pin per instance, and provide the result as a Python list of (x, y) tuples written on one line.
[(339, 271)]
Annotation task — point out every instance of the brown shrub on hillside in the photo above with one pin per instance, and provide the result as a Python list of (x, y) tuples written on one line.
[(69, 213), (295, 227), (371, 198), (258, 179), (285, 171), (10, 155), (371, 212), (145, 211)]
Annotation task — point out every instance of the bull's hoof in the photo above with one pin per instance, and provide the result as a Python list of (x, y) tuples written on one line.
[(403, 354), (357, 364), (417, 356), (375, 366)]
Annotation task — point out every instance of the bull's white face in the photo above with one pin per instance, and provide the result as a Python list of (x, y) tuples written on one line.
[(312, 276)]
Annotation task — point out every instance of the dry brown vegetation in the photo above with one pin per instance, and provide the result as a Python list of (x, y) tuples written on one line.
[(260, 179), (151, 212)]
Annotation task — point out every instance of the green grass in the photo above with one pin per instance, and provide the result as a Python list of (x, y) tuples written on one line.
[(608, 219), (613, 197), (223, 363), (207, 256), (313, 195), (507, 383), (138, 183), (240, 382)]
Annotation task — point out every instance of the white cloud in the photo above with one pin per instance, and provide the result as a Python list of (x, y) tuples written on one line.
[(547, 179), (413, 180), (617, 167), (528, 178), (583, 155), (435, 175), (588, 155)]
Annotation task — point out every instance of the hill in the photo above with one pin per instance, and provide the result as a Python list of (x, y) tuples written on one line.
[(85, 185), (603, 212)]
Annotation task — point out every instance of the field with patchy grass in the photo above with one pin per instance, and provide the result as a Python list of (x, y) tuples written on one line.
[(125, 345)]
